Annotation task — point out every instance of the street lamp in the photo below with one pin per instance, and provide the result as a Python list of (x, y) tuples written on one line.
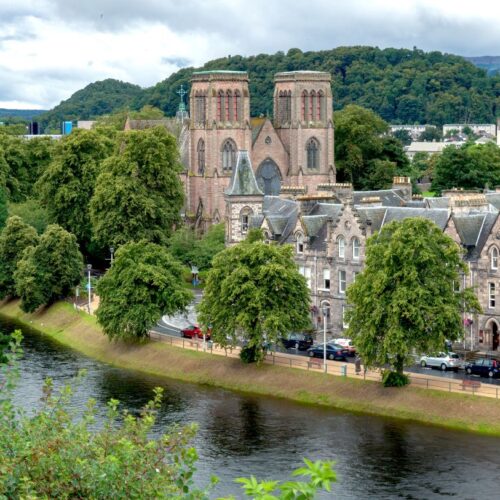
[(89, 267), (325, 313), (112, 252)]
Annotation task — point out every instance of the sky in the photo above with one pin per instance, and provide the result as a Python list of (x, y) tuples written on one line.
[(49, 49)]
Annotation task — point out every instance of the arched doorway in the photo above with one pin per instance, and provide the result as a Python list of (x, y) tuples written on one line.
[(494, 336), (269, 177)]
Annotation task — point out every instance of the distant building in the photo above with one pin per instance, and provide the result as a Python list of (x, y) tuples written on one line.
[(480, 129), (413, 130), (85, 124), (428, 147)]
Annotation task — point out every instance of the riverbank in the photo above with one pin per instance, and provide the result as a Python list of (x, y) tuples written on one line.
[(80, 331)]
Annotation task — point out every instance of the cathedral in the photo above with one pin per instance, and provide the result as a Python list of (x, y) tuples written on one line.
[(293, 152)]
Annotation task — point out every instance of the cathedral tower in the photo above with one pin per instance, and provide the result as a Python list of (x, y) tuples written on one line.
[(303, 118), (220, 127)]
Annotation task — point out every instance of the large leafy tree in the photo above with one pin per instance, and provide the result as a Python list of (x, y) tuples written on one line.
[(363, 154), (143, 283), (49, 270), (139, 194), (254, 292), (15, 238), (66, 186), (405, 300), (469, 166)]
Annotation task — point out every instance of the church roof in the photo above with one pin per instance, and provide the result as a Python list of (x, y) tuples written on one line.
[(256, 125), (243, 182)]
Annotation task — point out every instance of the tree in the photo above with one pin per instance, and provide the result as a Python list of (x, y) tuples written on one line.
[(143, 283), (48, 271), (32, 213), (52, 452), (139, 194), (14, 239), (470, 166), (403, 136), (405, 300), (431, 134), (254, 292), (67, 185), (4, 212)]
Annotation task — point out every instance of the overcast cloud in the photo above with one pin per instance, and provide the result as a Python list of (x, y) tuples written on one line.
[(51, 48)]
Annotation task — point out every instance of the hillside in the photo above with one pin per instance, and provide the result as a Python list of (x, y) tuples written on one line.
[(96, 99), (22, 114), (403, 86), (489, 63)]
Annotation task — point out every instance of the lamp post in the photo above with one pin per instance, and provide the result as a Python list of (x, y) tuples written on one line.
[(89, 267), (325, 312), (112, 252)]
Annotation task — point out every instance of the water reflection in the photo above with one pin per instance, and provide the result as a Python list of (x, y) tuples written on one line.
[(242, 435)]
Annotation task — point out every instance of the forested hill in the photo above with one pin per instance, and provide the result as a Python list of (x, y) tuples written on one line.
[(490, 63), (23, 114), (403, 86), (96, 99)]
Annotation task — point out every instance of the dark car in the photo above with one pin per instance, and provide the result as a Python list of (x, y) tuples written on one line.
[(194, 331), (300, 341), (332, 352), (483, 367)]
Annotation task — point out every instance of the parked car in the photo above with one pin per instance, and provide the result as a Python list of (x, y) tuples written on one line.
[(443, 360), (333, 351), (347, 344), (193, 331), (300, 341), (483, 367)]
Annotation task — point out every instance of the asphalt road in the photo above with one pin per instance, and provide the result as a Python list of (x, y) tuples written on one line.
[(167, 329)]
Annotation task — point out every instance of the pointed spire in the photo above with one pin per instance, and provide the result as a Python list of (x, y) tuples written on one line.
[(243, 181)]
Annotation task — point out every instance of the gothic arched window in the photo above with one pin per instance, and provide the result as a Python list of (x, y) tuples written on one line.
[(245, 215), (200, 107), (201, 156), (321, 106), (237, 106), (228, 155), (313, 106), (312, 149), (289, 106), (494, 258), (305, 105), (229, 106), (221, 105)]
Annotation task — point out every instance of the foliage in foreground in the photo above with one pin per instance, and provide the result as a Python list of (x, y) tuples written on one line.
[(54, 453), (254, 292), (405, 300), (143, 283)]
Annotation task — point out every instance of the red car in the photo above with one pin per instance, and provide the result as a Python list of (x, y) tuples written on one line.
[(193, 331)]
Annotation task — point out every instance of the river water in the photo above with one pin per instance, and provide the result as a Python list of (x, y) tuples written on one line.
[(240, 435)]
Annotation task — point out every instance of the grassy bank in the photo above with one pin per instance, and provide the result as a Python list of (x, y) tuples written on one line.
[(81, 332)]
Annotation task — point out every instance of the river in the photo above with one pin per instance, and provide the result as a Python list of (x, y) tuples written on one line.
[(241, 435)]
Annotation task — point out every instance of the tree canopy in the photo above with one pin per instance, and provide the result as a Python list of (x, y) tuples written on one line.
[(254, 292), (67, 185), (16, 236), (469, 166), (144, 283), (48, 271), (138, 195), (405, 299)]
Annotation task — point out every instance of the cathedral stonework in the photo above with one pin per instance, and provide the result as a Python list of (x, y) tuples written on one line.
[(294, 149)]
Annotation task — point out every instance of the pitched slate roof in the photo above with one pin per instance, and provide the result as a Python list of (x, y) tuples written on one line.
[(388, 197), (473, 230), (256, 125), (493, 199), (439, 202), (373, 215), (243, 182), (439, 216)]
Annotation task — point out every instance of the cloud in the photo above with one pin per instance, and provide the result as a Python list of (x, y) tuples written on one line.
[(51, 48)]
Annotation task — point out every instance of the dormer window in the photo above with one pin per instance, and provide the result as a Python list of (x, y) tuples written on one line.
[(494, 258), (300, 243), (341, 245), (355, 249)]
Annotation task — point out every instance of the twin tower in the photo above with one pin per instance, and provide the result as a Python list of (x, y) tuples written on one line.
[(292, 152)]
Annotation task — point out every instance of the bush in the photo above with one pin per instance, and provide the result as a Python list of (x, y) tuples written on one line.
[(394, 379), (248, 354)]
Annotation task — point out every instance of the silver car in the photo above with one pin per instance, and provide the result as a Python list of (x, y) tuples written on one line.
[(443, 360)]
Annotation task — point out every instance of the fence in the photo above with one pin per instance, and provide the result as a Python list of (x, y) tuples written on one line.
[(471, 386)]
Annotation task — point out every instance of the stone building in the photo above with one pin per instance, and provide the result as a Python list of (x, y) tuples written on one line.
[(295, 149), (328, 230)]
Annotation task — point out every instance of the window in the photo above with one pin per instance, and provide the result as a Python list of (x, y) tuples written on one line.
[(313, 106), (200, 108), (305, 105), (326, 279), (355, 249), (245, 215), (494, 258), (229, 106), (341, 244), (312, 150), (221, 105), (342, 281), (237, 104), (300, 243), (321, 106), (228, 155), (492, 294), (306, 272), (201, 156)]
